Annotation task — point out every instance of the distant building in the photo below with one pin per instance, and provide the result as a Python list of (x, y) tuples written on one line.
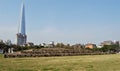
[(90, 45), (21, 35), (77, 46), (51, 44), (107, 43), (30, 44), (99, 46)]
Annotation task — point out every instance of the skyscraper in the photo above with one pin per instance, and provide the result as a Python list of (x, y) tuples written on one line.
[(21, 35)]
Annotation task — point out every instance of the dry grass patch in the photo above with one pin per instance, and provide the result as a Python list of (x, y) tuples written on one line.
[(65, 63)]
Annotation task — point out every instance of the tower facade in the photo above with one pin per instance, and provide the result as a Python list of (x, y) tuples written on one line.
[(21, 35)]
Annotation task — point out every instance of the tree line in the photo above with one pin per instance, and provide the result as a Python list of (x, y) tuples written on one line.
[(105, 48)]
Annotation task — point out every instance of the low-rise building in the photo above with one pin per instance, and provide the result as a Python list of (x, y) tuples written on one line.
[(99, 46), (30, 44), (90, 46), (51, 44), (107, 43)]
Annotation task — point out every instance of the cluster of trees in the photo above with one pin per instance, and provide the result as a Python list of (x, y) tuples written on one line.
[(105, 48), (109, 48)]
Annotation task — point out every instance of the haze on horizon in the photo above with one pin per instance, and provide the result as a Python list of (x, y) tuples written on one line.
[(67, 21)]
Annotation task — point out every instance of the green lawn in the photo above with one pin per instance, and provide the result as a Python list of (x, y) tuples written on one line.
[(66, 63), (1, 55)]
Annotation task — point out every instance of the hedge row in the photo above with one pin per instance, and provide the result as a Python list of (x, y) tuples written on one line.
[(47, 52), (48, 55)]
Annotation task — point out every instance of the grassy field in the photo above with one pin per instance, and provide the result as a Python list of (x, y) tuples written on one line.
[(66, 63)]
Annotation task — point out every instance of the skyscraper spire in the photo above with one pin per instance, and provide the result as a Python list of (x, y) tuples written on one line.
[(21, 35), (22, 26)]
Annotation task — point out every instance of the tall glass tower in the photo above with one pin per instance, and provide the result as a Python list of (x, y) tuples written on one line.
[(21, 35)]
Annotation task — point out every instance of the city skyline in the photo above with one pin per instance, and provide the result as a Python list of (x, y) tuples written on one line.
[(67, 21)]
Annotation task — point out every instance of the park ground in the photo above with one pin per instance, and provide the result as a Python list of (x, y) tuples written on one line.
[(65, 63)]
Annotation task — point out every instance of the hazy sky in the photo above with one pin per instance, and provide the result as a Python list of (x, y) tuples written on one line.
[(67, 21)]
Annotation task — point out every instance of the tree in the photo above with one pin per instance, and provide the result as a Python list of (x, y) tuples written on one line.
[(110, 48)]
